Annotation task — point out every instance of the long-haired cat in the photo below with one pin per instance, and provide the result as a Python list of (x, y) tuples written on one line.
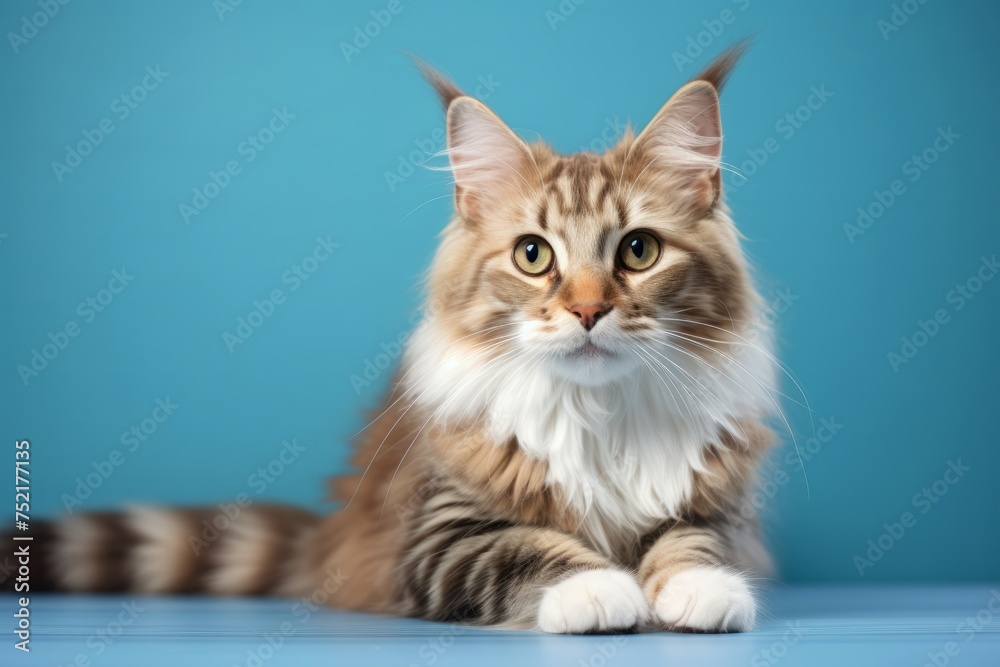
[(576, 423)]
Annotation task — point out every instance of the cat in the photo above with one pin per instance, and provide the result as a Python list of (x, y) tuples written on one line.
[(574, 427)]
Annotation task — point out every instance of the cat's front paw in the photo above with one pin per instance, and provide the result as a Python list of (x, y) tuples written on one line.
[(592, 601), (706, 599)]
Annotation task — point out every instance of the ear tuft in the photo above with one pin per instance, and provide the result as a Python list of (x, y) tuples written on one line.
[(719, 70), (446, 89)]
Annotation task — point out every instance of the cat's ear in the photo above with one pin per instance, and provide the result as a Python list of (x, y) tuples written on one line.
[(685, 136), (487, 158), (685, 139)]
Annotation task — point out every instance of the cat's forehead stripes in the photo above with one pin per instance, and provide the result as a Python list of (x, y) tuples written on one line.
[(581, 205), (580, 184)]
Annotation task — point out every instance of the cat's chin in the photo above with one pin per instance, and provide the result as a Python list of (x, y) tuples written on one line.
[(591, 366)]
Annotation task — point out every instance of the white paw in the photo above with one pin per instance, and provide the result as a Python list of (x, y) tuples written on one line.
[(707, 599), (592, 601)]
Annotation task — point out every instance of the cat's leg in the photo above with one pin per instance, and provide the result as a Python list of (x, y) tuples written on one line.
[(691, 581), (492, 572)]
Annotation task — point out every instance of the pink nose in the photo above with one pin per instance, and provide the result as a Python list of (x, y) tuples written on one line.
[(589, 313)]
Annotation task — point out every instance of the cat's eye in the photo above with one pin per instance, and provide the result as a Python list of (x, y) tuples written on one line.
[(638, 251), (533, 255)]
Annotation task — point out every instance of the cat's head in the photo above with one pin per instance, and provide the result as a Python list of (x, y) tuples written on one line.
[(593, 266)]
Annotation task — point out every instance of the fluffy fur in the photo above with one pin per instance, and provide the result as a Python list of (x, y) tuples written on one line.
[(526, 470)]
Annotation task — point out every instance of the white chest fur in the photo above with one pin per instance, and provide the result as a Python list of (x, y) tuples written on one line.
[(623, 453)]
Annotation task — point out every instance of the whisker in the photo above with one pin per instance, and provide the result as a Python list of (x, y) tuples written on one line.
[(403, 414), (771, 358), (432, 199), (685, 339), (433, 416), (403, 377), (672, 397), (721, 404), (753, 377), (748, 343)]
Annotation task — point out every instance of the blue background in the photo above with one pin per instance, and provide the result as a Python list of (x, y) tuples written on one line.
[(358, 116)]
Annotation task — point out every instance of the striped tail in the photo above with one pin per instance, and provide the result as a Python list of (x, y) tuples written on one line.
[(231, 549)]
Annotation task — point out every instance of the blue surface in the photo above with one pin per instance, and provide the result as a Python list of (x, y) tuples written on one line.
[(358, 117), (814, 626)]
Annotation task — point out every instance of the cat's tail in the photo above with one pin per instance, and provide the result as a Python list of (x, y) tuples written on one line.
[(229, 549)]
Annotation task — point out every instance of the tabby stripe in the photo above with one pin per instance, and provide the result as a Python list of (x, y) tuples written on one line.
[(427, 549), (434, 561), (455, 579), (555, 283), (606, 173), (450, 504), (556, 193), (580, 189), (622, 212), (475, 526), (426, 564), (520, 568), (602, 195), (443, 606), (167, 550), (477, 279), (602, 242), (492, 583)]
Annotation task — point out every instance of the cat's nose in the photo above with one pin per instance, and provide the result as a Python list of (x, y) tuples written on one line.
[(589, 313)]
